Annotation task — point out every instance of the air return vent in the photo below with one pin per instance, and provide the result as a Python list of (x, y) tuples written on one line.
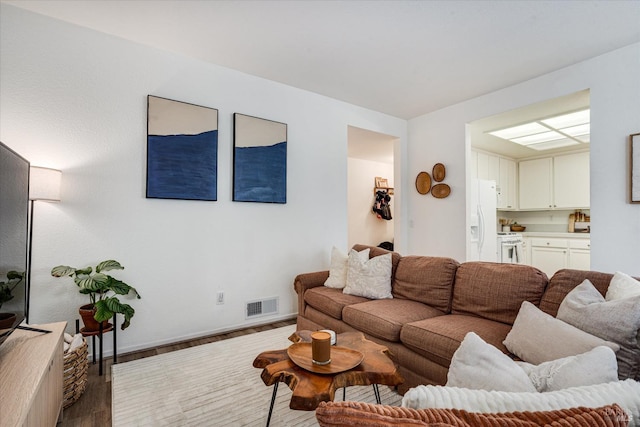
[(262, 307)]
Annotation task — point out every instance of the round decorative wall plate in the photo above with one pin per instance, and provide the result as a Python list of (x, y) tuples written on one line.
[(439, 172), (440, 191), (423, 183)]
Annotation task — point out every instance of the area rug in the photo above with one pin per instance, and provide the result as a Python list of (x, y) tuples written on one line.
[(213, 385)]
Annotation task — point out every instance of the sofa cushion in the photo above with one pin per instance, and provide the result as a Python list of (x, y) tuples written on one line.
[(384, 318), (564, 281), (330, 301), (481, 366), (622, 393), (339, 266), (618, 321), (496, 291), (439, 337), (375, 251), (426, 279), (596, 366), (537, 337), (622, 286), (370, 278), (349, 413)]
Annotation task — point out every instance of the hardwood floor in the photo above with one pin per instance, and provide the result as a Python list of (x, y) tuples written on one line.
[(93, 409)]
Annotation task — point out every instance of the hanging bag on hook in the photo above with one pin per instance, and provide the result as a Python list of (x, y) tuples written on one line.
[(381, 206)]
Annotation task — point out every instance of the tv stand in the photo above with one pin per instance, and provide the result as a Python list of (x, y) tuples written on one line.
[(29, 328), (31, 371)]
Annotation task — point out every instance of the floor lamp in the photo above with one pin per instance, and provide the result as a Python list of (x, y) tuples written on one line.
[(44, 184)]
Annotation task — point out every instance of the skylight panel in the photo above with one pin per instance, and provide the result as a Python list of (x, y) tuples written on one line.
[(519, 131), (539, 137), (577, 130), (567, 120), (553, 144)]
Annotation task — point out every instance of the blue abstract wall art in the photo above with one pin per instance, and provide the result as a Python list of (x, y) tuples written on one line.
[(259, 160), (182, 150)]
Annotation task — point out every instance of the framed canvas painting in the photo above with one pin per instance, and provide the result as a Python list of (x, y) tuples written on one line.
[(182, 150), (259, 160)]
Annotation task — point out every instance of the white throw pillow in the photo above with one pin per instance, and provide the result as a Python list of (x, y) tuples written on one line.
[(617, 320), (622, 286), (338, 270), (596, 366), (369, 278), (537, 337), (481, 366)]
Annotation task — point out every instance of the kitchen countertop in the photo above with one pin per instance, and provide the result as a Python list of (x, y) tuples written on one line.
[(559, 235)]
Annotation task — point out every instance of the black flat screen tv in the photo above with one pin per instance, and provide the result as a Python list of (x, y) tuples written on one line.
[(14, 213)]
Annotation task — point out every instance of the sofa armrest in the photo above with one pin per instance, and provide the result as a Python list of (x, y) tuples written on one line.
[(306, 281)]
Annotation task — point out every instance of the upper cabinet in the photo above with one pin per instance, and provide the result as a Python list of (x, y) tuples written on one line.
[(571, 181), (560, 182), (507, 188), (535, 184), (500, 170)]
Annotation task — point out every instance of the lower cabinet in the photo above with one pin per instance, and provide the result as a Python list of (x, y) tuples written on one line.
[(552, 254), (580, 254)]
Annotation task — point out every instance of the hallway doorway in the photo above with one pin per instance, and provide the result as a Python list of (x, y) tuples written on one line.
[(370, 156)]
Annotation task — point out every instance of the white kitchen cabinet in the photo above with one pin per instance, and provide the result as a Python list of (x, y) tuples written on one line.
[(552, 254), (501, 170), (580, 254), (488, 167), (507, 184), (560, 182), (535, 184), (549, 255), (571, 181)]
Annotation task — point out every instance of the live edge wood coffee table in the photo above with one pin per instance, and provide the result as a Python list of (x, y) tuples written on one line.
[(310, 388)]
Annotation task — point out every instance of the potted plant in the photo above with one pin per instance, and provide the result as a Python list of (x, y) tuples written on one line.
[(103, 291), (14, 278)]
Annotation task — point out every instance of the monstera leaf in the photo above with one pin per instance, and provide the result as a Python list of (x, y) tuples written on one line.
[(101, 288)]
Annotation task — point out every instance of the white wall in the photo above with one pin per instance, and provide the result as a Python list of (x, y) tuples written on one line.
[(436, 226), (75, 100), (364, 226)]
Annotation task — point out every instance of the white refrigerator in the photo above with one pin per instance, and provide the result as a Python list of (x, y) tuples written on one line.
[(483, 222)]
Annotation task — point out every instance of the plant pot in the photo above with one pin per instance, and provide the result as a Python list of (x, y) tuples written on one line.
[(87, 312), (7, 320)]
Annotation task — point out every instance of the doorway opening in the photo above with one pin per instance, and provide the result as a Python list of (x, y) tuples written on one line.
[(538, 158), (370, 160)]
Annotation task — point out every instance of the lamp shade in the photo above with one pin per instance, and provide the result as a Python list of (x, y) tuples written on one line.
[(44, 184)]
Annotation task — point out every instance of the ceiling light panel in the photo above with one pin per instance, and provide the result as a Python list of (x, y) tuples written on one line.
[(577, 130), (567, 120), (539, 137), (566, 142), (519, 131)]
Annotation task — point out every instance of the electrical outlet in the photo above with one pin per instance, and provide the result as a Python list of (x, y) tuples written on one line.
[(220, 297)]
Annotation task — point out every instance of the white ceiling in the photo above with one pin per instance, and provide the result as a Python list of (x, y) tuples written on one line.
[(404, 58)]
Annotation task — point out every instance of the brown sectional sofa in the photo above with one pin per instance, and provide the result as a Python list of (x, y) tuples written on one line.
[(436, 302)]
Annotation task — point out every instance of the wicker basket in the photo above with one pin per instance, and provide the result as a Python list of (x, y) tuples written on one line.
[(76, 364)]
